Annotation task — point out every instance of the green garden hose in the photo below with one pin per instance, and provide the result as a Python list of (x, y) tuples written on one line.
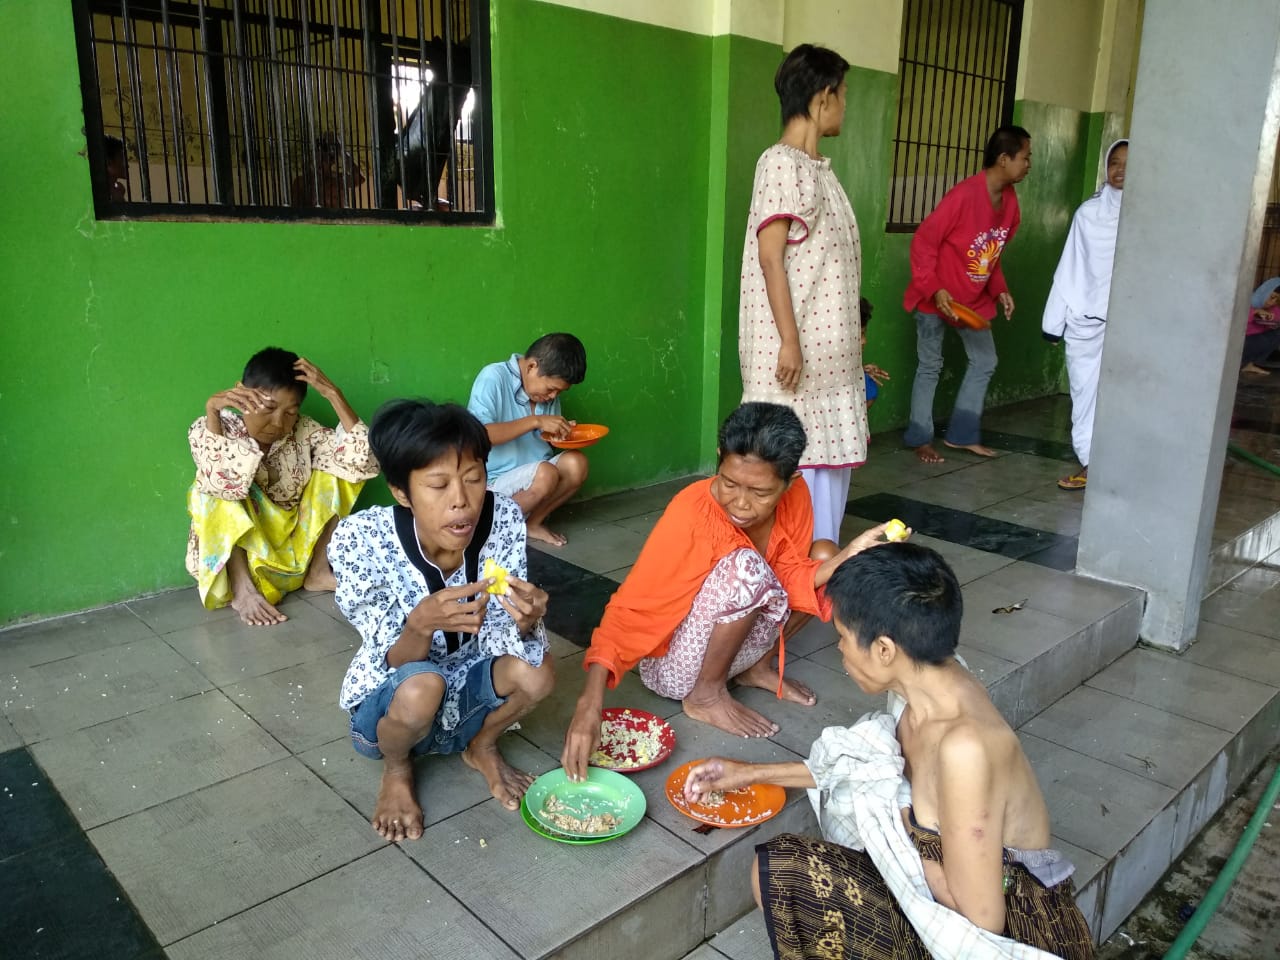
[(1255, 460), (1213, 899)]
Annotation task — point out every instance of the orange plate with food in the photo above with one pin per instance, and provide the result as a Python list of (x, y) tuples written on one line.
[(582, 435), (632, 740), (967, 317), (744, 807)]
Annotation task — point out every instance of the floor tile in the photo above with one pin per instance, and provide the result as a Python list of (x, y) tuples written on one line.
[(445, 785), (176, 610), (1059, 555), (1252, 613), (1076, 599), (575, 611), (9, 738), (1088, 865), (1036, 446), (1133, 736), (562, 647), (642, 524), (553, 573), (747, 939), (967, 563), (1019, 637), (840, 704), (1060, 515), (227, 651), (620, 574), (705, 952), (1187, 689), (956, 526), (599, 547), (91, 688), (298, 705), (811, 638), (359, 910), (1019, 472), (31, 812), (208, 855), (958, 490), (122, 766), (1236, 652), (629, 503), (563, 890), (61, 903), (49, 640), (1092, 804)]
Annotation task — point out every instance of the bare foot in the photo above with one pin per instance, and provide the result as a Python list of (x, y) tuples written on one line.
[(1255, 369), (253, 607), (729, 715), (975, 448), (540, 533), (926, 454), (396, 815), (765, 676), (506, 783), (321, 581)]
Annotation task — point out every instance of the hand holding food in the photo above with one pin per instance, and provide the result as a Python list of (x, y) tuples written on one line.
[(896, 530), (498, 575)]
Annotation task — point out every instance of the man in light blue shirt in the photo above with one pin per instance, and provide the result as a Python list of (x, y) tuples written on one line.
[(518, 401)]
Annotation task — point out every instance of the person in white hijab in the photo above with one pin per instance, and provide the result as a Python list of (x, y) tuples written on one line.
[(1077, 308)]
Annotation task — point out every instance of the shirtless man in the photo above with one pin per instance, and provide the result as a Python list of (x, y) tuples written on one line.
[(448, 661), (897, 610)]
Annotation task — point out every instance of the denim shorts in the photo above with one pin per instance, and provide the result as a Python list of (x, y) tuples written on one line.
[(476, 701)]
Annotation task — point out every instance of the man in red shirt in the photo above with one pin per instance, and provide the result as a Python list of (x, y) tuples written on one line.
[(955, 258)]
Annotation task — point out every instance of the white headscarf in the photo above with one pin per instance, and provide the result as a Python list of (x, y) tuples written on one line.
[(1082, 282)]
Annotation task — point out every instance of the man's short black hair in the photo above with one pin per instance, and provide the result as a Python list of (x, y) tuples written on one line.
[(902, 591), (113, 148), (865, 309), (1006, 140), (407, 435), (767, 431), (271, 369), (803, 74), (560, 356)]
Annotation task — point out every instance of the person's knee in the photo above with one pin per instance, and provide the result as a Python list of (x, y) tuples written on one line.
[(417, 699), (823, 550), (573, 467), (535, 683), (545, 479)]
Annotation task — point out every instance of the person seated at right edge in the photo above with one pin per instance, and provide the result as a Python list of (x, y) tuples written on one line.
[(935, 832)]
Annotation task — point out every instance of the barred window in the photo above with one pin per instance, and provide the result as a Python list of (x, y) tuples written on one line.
[(956, 80), (346, 110)]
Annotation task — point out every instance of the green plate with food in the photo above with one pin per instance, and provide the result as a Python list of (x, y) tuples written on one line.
[(604, 806)]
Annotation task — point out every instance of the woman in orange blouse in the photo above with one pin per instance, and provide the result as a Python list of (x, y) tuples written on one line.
[(730, 569)]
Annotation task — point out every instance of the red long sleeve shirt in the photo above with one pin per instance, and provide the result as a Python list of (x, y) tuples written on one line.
[(958, 246)]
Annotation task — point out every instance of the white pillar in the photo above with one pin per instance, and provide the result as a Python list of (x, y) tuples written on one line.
[(1205, 121)]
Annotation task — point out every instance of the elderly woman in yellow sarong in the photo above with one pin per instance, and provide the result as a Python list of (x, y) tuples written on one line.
[(270, 486)]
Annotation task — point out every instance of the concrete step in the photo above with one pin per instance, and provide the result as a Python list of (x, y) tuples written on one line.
[(664, 889)]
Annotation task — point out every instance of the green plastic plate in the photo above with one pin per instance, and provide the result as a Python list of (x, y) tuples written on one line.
[(602, 792)]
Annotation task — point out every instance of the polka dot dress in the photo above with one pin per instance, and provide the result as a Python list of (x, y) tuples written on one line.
[(824, 272)]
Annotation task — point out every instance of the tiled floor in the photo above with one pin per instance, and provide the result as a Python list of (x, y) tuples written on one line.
[(175, 780)]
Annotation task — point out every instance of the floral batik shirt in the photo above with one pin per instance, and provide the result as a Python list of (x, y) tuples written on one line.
[(228, 465), (379, 585)]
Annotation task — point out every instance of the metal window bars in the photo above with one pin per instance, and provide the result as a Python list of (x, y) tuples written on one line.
[(272, 109), (956, 78)]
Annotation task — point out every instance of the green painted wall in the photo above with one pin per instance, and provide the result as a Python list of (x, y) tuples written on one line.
[(114, 334)]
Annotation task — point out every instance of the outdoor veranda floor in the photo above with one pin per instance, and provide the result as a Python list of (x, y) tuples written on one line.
[(174, 783)]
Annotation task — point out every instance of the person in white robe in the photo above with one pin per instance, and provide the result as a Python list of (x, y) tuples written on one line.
[(1076, 312)]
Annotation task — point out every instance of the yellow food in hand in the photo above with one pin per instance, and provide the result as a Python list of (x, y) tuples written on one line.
[(498, 575), (895, 530)]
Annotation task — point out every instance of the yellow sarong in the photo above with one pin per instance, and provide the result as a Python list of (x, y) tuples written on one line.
[(279, 542)]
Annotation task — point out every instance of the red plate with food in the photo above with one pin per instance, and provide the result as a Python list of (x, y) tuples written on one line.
[(744, 807), (582, 435), (967, 317), (632, 740)]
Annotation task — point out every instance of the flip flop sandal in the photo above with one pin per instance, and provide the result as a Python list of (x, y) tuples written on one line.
[(1076, 481)]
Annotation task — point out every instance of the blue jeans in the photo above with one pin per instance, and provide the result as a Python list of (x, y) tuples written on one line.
[(965, 426), (477, 700)]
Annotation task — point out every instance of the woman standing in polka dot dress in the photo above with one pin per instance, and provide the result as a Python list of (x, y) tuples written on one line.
[(798, 325)]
